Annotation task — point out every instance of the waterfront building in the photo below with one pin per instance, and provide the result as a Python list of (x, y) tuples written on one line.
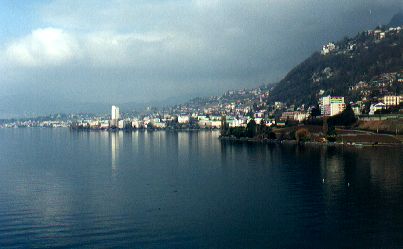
[(235, 122), (94, 124), (183, 119), (122, 124), (209, 124), (215, 123), (159, 125), (137, 124), (104, 124), (204, 123), (115, 116)]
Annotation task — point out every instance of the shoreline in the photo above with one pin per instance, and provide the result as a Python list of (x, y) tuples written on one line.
[(309, 143), (244, 139)]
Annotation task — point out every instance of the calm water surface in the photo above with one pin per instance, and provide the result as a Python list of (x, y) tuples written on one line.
[(65, 189)]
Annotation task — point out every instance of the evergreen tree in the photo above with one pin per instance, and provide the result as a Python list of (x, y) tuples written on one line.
[(251, 128), (262, 129), (315, 111)]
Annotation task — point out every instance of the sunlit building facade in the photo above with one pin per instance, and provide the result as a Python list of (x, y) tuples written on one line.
[(115, 116), (332, 105)]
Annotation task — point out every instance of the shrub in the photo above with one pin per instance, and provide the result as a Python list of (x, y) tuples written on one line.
[(302, 135)]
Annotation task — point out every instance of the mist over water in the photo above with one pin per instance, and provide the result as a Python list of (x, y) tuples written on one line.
[(68, 189)]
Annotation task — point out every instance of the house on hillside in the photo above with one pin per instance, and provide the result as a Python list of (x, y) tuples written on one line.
[(328, 48)]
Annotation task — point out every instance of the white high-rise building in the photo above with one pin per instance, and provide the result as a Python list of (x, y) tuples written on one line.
[(115, 113), (331, 105), (115, 116)]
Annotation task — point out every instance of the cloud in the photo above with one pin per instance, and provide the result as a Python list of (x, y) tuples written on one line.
[(55, 47), (152, 49), (43, 47), (122, 49)]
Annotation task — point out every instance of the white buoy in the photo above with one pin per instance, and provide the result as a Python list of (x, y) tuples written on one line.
[(348, 184), (323, 180)]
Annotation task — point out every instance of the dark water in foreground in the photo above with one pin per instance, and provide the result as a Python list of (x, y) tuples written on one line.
[(62, 189)]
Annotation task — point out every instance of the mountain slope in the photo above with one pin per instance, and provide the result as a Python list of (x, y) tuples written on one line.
[(397, 20), (357, 59)]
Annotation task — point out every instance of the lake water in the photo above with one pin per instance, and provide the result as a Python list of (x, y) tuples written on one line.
[(69, 189)]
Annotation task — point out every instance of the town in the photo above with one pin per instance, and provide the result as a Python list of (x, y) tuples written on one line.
[(237, 106)]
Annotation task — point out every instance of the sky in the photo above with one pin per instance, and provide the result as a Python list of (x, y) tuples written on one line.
[(68, 55)]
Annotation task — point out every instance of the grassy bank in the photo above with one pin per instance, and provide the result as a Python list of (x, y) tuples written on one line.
[(382, 126), (343, 136)]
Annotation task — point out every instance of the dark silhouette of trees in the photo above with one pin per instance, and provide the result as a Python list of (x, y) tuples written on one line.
[(315, 111), (346, 118), (224, 126), (251, 129)]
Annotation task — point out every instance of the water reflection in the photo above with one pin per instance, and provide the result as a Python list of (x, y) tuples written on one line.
[(189, 190), (115, 139)]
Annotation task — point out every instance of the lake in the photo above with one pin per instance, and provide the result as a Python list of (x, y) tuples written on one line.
[(75, 189)]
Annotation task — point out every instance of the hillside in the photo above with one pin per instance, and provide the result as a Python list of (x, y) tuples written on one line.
[(363, 58), (397, 20)]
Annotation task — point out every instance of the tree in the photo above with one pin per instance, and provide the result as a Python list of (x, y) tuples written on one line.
[(382, 111), (262, 129), (271, 135), (325, 125), (237, 132), (331, 135), (315, 111), (346, 118), (251, 128), (302, 135), (224, 126)]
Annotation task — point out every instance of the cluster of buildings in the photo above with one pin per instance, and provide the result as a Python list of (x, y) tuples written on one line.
[(381, 33), (36, 123), (378, 93), (208, 113), (333, 105), (373, 36), (381, 85), (385, 103), (159, 120), (238, 107), (243, 102)]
